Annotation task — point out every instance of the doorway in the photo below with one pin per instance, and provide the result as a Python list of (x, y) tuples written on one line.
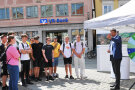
[(59, 34)]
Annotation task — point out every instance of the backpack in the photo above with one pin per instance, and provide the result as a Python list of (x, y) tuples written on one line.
[(23, 45), (75, 45), (3, 56), (64, 46)]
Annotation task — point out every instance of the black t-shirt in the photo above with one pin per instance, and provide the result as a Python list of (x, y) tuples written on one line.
[(37, 50), (48, 51), (2, 48)]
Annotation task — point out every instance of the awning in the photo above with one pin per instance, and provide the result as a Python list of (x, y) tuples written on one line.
[(124, 15)]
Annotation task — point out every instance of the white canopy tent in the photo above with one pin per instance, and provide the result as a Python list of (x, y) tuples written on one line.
[(124, 15), (121, 18)]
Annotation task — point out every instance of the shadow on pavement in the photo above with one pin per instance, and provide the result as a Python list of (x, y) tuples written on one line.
[(61, 82)]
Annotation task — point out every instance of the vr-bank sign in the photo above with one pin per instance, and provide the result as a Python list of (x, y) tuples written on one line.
[(46, 21)]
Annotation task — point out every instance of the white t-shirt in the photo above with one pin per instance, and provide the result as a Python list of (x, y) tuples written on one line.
[(26, 47), (78, 47), (67, 50)]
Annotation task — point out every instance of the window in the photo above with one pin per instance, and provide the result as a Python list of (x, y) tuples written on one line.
[(47, 11), (62, 10), (4, 13), (77, 9), (107, 8), (17, 12), (32, 11)]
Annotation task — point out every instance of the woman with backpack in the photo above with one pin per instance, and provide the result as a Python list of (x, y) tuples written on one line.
[(12, 56)]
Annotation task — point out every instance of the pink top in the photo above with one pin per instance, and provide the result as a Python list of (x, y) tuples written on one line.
[(12, 55)]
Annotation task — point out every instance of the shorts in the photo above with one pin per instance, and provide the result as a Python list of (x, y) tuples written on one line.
[(4, 70), (56, 61), (67, 60), (37, 63), (48, 64)]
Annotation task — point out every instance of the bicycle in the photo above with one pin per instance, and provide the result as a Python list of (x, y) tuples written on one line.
[(91, 54)]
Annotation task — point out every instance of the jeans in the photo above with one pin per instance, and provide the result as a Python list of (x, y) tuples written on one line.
[(14, 77)]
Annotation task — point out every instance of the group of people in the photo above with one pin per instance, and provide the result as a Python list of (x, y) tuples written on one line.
[(33, 55)]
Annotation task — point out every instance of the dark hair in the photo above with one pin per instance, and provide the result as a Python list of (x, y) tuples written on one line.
[(47, 38), (113, 30), (36, 37), (10, 33), (2, 36), (10, 37), (32, 38), (24, 35)]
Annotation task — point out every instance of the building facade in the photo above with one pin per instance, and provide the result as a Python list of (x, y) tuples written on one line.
[(104, 6), (46, 18)]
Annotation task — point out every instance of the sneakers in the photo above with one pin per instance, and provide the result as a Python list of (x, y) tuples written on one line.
[(5, 88), (71, 77), (66, 76), (36, 79), (39, 79), (55, 75), (47, 78), (29, 82), (24, 83), (51, 78)]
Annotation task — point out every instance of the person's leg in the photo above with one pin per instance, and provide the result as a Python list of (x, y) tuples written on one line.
[(76, 66), (11, 76), (15, 77), (27, 69), (113, 66), (39, 65), (46, 74), (55, 66), (4, 79), (82, 66), (38, 69), (118, 75), (27, 72), (66, 69), (50, 71), (70, 69), (50, 74), (22, 72)]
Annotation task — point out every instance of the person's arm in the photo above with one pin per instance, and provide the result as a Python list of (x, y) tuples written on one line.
[(32, 55), (117, 40), (61, 49), (82, 52), (43, 52), (75, 53), (52, 55), (21, 49), (73, 49), (29, 50)]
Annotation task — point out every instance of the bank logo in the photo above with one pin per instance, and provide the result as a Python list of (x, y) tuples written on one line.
[(52, 21), (43, 21)]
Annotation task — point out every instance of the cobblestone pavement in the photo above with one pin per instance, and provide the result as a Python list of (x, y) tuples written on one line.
[(95, 81)]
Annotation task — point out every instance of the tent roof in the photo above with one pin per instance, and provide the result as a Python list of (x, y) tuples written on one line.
[(124, 15)]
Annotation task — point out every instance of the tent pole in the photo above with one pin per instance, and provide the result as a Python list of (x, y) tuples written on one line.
[(84, 39)]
